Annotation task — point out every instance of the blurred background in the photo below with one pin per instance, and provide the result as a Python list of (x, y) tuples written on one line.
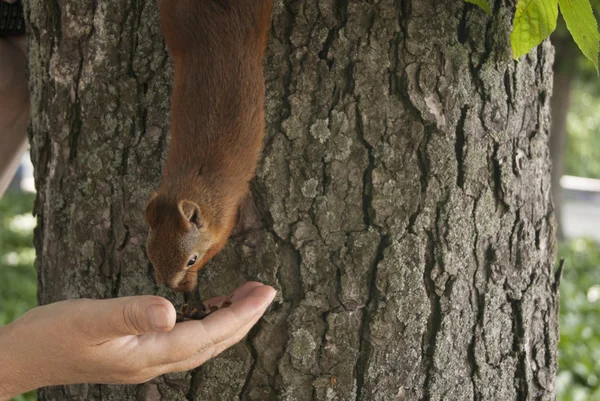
[(575, 150), (575, 153)]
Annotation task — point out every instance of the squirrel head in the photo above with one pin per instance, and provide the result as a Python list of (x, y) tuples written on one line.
[(177, 241)]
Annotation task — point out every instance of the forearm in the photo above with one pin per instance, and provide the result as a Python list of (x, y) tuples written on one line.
[(14, 109), (18, 373), (13, 144)]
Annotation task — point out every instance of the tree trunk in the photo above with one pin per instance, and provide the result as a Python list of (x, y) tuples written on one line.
[(404, 191)]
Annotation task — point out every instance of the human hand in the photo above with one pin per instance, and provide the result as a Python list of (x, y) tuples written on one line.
[(119, 341)]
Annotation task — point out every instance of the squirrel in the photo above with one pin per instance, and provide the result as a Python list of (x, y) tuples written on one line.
[(217, 130)]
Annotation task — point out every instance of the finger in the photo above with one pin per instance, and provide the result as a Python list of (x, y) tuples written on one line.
[(199, 358), (237, 294), (216, 301), (243, 290), (118, 317), (211, 352), (190, 338)]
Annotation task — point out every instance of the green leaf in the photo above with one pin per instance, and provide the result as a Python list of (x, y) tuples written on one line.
[(534, 21), (581, 22), (485, 6)]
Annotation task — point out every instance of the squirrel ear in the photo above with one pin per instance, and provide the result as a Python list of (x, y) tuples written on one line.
[(191, 212), (152, 210)]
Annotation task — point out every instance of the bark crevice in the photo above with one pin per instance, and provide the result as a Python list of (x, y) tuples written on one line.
[(403, 193)]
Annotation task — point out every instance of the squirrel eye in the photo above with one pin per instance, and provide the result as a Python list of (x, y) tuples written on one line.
[(192, 261)]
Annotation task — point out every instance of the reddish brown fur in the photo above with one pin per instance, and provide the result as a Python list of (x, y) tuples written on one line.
[(217, 128)]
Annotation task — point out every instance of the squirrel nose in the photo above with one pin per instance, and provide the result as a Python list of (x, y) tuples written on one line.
[(178, 285), (184, 286), (176, 282)]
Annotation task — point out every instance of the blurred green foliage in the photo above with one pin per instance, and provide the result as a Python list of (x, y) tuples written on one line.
[(582, 157), (582, 154), (579, 347), (18, 281)]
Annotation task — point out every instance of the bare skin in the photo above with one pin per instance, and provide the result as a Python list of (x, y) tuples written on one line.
[(119, 341), (14, 103), (116, 341)]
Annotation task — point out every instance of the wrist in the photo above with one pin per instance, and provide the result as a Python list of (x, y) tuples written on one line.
[(19, 373)]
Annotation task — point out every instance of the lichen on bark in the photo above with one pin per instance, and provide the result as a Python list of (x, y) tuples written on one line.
[(404, 191)]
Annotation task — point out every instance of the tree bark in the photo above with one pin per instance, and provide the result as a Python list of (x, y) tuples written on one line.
[(404, 192)]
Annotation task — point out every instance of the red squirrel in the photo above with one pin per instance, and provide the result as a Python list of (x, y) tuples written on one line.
[(217, 129)]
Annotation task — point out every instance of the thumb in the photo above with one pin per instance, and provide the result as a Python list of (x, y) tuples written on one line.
[(126, 316)]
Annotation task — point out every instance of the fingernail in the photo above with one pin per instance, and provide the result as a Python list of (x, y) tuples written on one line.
[(273, 295), (158, 317)]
